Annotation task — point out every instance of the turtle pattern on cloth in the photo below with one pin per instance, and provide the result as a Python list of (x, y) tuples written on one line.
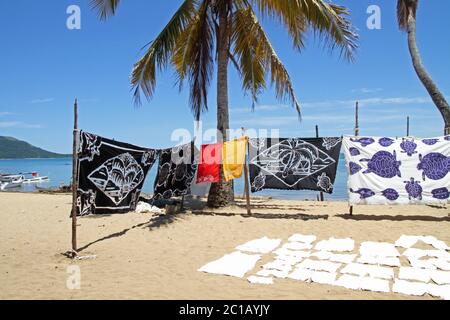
[(293, 163), (176, 171), (408, 170), (110, 174)]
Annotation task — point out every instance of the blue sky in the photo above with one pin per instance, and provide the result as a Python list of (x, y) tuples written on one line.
[(44, 66)]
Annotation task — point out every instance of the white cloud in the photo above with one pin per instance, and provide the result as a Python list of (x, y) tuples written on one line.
[(270, 121), (5, 113), (19, 124), (368, 102), (264, 107), (367, 90), (378, 101), (45, 100)]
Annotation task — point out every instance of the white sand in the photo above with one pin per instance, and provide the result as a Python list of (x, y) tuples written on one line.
[(150, 257)]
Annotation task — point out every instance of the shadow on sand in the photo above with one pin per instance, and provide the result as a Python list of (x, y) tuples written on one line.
[(291, 216), (365, 217), (155, 222)]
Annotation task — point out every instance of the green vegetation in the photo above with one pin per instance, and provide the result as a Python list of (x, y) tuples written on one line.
[(11, 148)]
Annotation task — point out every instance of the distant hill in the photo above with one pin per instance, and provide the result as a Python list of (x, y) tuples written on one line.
[(11, 148)]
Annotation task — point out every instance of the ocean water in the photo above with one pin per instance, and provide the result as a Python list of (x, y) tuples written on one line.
[(60, 171)]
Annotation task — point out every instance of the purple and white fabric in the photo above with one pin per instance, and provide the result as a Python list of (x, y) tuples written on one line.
[(389, 171)]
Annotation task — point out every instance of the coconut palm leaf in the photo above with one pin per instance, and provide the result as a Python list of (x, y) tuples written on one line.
[(403, 7), (329, 22), (159, 52), (193, 57), (105, 8), (257, 57)]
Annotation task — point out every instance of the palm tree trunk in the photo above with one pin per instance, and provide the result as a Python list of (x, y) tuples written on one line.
[(436, 95), (221, 193)]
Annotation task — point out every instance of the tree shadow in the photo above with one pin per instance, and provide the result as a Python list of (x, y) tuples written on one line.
[(154, 222), (299, 216), (269, 206), (436, 207), (366, 217)]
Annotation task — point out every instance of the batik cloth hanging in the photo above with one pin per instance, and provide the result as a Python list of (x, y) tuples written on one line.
[(294, 163), (110, 174), (233, 158), (398, 171), (176, 171), (209, 165)]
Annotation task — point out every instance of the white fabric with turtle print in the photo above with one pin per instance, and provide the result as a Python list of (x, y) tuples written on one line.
[(398, 171)]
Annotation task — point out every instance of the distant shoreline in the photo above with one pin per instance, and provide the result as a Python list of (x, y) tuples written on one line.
[(68, 157)]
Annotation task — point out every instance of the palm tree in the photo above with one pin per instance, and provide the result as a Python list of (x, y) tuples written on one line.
[(406, 14), (203, 31)]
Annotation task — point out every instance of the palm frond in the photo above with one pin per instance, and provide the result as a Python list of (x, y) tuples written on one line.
[(251, 60), (329, 21), (105, 8), (159, 52), (404, 8), (193, 57), (258, 57)]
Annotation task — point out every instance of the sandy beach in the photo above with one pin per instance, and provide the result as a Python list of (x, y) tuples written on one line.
[(145, 256)]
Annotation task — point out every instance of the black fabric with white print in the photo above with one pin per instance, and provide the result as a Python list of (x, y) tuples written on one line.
[(110, 174), (176, 171), (294, 163)]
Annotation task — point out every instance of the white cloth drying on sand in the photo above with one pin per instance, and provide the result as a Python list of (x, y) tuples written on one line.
[(335, 257), (433, 241), (410, 273), (420, 288), (333, 244), (439, 291), (302, 238), (372, 271), (424, 275), (409, 287), (322, 277), (384, 261), (260, 280), (409, 241), (292, 253), (272, 272), (263, 245), (235, 264), (278, 265), (319, 265), (419, 253), (441, 264), (289, 259), (378, 249), (297, 246), (406, 241), (422, 264), (144, 207), (363, 283)]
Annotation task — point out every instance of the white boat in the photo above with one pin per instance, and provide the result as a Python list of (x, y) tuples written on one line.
[(35, 179), (13, 184), (32, 177), (10, 177)]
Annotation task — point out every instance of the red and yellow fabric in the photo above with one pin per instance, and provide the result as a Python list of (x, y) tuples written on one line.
[(233, 153), (209, 166)]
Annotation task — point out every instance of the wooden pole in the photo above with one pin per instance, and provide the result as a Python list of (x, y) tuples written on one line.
[(407, 126), (246, 185), (321, 197), (356, 134), (74, 180)]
